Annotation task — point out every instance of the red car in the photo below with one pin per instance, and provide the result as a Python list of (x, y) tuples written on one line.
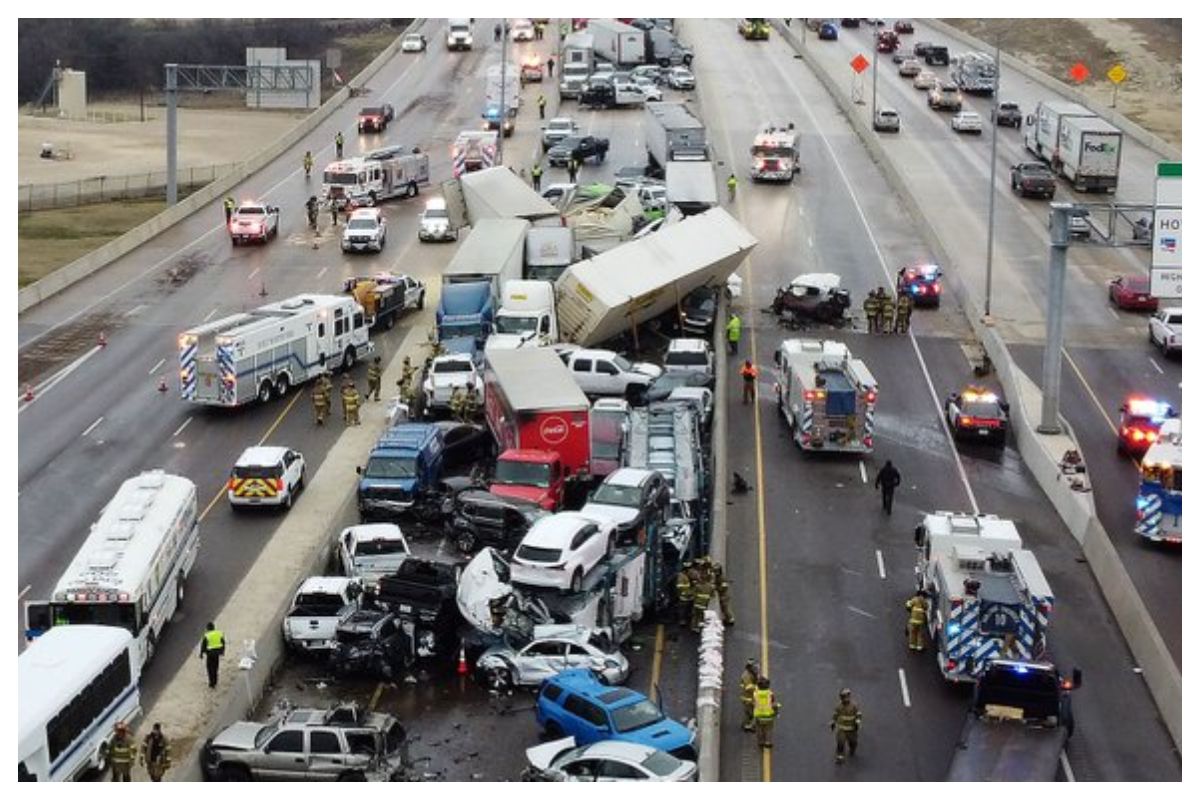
[(903, 26), (1132, 293), (1141, 417), (922, 282), (888, 41)]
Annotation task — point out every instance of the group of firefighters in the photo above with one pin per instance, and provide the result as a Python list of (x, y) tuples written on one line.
[(760, 708), (156, 753), (695, 586), (322, 394), (885, 315)]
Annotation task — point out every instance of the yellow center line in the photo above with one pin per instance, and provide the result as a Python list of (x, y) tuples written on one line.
[(221, 492), (375, 697), (1099, 406), (656, 662)]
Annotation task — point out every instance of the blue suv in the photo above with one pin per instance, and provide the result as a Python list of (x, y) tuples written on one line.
[(575, 703)]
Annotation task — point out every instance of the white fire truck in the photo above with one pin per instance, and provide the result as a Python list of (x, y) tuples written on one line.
[(988, 598), (473, 151), (826, 397), (377, 176), (262, 353), (775, 155)]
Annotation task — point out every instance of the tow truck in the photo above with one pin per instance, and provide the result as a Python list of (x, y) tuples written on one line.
[(1159, 501), (923, 282), (977, 413), (1141, 418)]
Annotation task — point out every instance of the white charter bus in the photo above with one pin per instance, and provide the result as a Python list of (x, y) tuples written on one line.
[(75, 683), (131, 570)]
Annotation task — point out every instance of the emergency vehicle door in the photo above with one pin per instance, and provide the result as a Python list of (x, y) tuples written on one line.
[(322, 348)]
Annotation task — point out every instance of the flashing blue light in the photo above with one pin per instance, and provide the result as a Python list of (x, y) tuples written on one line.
[(1022, 669), (913, 289), (1142, 502), (953, 628)]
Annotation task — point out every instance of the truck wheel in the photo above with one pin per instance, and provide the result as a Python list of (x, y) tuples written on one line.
[(421, 301), (465, 542), (371, 200), (180, 586), (349, 359), (264, 392), (389, 321), (413, 189), (282, 384)]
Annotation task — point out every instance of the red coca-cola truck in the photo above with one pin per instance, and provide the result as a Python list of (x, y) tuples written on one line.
[(534, 405)]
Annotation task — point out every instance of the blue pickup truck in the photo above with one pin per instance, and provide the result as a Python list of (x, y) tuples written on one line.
[(403, 464)]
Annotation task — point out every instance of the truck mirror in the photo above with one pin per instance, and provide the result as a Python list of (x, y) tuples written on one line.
[(1076, 678)]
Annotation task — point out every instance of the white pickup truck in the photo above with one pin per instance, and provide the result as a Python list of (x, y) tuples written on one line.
[(318, 606), (1166, 330), (447, 373), (368, 552)]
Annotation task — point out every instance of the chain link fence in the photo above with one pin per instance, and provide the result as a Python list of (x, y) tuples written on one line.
[(67, 194)]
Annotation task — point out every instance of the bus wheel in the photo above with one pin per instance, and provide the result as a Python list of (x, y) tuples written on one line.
[(179, 591), (264, 392), (151, 644), (349, 359), (413, 191)]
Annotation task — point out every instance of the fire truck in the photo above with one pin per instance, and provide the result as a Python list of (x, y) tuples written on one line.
[(473, 151), (826, 397), (379, 175), (988, 598), (775, 155)]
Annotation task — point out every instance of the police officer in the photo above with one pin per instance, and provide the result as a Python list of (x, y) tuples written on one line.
[(917, 613), (702, 592), (308, 163), (338, 141), (541, 101), (733, 333), (156, 753), (904, 306), (320, 402), (352, 400), (683, 593), (212, 647), (748, 683), (535, 175), (374, 378), (229, 206), (766, 709), (121, 753), (847, 719), (722, 587), (871, 310), (887, 311)]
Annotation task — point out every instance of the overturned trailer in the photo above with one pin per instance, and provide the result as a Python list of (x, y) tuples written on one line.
[(494, 193), (614, 292)]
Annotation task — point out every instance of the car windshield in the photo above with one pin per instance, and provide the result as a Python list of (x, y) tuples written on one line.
[(380, 547), (436, 213), (661, 764), (371, 112), (341, 178), (118, 615), (983, 409), (453, 330), (507, 324), (251, 211), (639, 715), (542, 555), (687, 358), (623, 363), (569, 143), (610, 494), (522, 473), (391, 467), (772, 152), (362, 224), (413, 37), (1138, 283), (443, 367), (264, 736), (318, 603), (699, 304)]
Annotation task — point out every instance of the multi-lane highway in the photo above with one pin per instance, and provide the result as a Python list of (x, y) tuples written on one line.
[(819, 573)]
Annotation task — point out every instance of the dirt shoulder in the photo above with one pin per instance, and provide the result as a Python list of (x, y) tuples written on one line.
[(1151, 50)]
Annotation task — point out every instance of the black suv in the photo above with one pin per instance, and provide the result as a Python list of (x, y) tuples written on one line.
[(369, 642), (580, 148), (480, 519), (936, 55), (1007, 113)]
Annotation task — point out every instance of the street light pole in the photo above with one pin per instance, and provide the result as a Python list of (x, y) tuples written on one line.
[(874, 75), (987, 293), (503, 89), (1060, 215)]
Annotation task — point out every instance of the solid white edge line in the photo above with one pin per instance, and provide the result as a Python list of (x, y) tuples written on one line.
[(1154, 364), (154, 369), (47, 385), (92, 427), (252, 274), (23, 591), (1066, 765), (879, 560), (179, 430), (323, 271), (904, 689), (134, 310), (962, 473), (210, 315)]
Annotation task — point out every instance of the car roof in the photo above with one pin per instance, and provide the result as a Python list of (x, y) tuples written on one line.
[(324, 584), (687, 345), (375, 530), (629, 476), (556, 529), (615, 748), (261, 456), (366, 213)]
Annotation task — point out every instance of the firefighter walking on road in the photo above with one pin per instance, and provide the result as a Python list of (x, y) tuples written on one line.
[(351, 402), (766, 709), (156, 753), (871, 310), (320, 400), (228, 205), (748, 684), (749, 382), (722, 588), (918, 612), (374, 378), (702, 592), (120, 754), (338, 141), (887, 312), (847, 719), (541, 103), (904, 307), (886, 482), (733, 333)]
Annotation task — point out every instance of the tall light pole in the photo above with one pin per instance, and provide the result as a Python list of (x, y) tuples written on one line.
[(503, 89), (987, 293), (874, 75), (1060, 222)]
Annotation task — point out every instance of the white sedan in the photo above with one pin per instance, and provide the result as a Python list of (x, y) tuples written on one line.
[(967, 122), (610, 760), (553, 649), (648, 87), (926, 79), (560, 550)]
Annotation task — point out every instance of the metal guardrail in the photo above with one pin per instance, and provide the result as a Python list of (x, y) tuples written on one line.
[(99, 189)]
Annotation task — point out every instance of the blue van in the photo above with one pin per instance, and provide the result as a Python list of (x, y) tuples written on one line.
[(405, 461), (575, 703)]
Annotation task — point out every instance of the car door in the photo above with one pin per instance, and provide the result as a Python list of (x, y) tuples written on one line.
[(588, 722), (541, 660), (581, 370), (609, 379), (613, 770), (326, 756), (577, 656), (293, 466), (283, 757)]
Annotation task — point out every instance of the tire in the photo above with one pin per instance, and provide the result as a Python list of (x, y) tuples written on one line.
[(102, 764), (349, 359), (421, 301), (577, 581), (1162, 347), (264, 392), (553, 731), (465, 541), (413, 189), (282, 384), (352, 776), (180, 591), (151, 645), (389, 321), (234, 773), (287, 503)]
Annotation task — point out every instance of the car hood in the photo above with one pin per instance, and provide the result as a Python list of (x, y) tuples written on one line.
[(483, 580), (665, 735), (621, 515), (534, 494), (543, 755), (511, 341), (238, 736), (646, 368)]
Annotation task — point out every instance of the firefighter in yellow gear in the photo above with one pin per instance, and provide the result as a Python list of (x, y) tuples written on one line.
[(880, 293), (904, 307), (887, 312), (871, 310), (374, 378), (702, 592), (918, 613), (722, 587), (351, 401), (766, 709), (748, 684), (320, 402), (470, 406), (683, 593), (456, 402), (120, 753), (156, 753), (847, 719)]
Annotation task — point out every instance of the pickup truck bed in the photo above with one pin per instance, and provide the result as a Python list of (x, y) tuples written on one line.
[(1006, 750)]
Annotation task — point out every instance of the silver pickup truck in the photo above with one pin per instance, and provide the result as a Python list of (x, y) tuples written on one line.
[(317, 607)]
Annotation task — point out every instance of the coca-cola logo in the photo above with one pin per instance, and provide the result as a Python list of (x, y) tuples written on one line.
[(553, 430)]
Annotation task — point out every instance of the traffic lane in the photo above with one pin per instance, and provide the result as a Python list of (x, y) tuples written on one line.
[(1155, 569)]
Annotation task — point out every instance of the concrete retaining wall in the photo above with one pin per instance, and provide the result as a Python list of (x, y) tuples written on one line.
[(101, 257), (1040, 453), (1128, 126)]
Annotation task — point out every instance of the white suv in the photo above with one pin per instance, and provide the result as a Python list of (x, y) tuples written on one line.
[(689, 355), (560, 550), (605, 372), (365, 230), (266, 476)]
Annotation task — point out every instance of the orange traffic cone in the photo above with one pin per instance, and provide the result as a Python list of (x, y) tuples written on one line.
[(102, 340), (162, 384), (462, 660), (28, 397)]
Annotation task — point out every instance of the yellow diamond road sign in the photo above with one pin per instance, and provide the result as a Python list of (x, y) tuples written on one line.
[(1117, 74)]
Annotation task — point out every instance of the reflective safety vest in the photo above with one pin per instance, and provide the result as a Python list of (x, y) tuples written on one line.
[(536, 171), (764, 704), (683, 586), (374, 372), (214, 640), (120, 751), (339, 138), (749, 686), (749, 373), (871, 305), (916, 611), (734, 329), (229, 204), (846, 717)]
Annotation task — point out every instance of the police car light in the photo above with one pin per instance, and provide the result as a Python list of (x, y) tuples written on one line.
[(1145, 407), (953, 628), (1021, 669)]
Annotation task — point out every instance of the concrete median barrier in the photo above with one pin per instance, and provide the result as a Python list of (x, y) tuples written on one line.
[(1041, 453), (1128, 126), (77, 270)]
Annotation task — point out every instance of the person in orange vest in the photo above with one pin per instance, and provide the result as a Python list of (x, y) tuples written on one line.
[(749, 379)]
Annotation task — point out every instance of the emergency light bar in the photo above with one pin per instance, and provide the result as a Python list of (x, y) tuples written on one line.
[(1145, 407)]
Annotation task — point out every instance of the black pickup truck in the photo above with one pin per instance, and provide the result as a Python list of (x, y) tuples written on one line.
[(1018, 725), (1033, 178)]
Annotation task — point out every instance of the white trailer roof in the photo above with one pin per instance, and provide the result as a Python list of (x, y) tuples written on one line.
[(498, 193), (237, 325), (488, 246), (122, 545), (535, 379)]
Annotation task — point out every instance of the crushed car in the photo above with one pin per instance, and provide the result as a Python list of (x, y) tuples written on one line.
[(812, 297)]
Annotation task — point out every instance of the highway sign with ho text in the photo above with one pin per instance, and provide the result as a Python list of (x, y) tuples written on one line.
[(1166, 255)]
